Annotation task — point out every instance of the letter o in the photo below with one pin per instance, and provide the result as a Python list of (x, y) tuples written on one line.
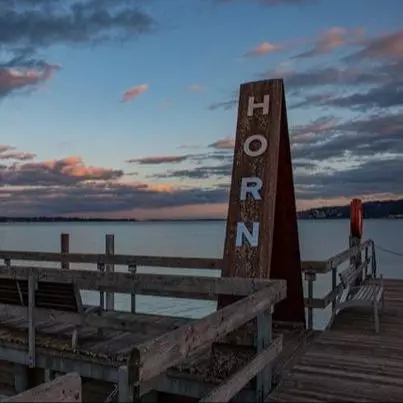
[(255, 153)]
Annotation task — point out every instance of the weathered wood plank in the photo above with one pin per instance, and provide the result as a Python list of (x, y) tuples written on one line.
[(349, 362), (236, 382), (65, 388), (346, 254), (145, 324), (126, 260), (188, 286), (139, 260), (152, 357)]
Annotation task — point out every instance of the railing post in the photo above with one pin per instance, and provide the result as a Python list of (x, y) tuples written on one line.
[(373, 260), (356, 260), (110, 268), (366, 255), (133, 270), (310, 277), (125, 391), (263, 339), (101, 268), (334, 286), (31, 319), (65, 248)]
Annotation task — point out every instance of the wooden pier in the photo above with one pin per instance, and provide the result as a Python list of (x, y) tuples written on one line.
[(258, 345), (126, 354)]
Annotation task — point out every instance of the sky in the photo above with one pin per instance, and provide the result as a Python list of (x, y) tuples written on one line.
[(127, 108)]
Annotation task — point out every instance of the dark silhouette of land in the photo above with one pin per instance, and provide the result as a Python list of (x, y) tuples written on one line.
[(373, 209)]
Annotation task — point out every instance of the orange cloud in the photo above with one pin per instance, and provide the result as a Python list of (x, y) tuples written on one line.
[(14, 78), (226, 143), (388, 46), (263, 49), (332, 39), (134, 92)]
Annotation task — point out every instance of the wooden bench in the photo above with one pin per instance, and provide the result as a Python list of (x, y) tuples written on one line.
[(364, 295), (51, 295)]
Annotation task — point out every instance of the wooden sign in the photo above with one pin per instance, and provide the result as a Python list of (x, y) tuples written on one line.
[(262, 232)]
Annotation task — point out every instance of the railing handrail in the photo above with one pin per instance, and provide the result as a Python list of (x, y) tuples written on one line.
[(135, 260), (152, 357), (332, 265)]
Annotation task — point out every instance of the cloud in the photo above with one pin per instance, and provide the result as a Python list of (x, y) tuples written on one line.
[(385, 47), (308, 133), (226, 143), (226, 105), (263, 48), (168, 159), (270, 2), (197, 173), (10, 153), (17, 78), (29, 27), (374, 135), (68, 171), (331, 40), (32, 24), (196, 88), (68, 186), (134, 92)]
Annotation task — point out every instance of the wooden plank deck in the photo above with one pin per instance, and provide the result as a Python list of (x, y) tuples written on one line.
[(112, 348), (350, 362)]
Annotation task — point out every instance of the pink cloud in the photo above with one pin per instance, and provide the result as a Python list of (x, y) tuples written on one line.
[(226, 143), (134, 92), (16, 78), (387, 46), (263, 48), (332, 39)]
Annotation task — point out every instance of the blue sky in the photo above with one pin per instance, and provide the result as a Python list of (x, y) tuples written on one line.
[(194, 57)]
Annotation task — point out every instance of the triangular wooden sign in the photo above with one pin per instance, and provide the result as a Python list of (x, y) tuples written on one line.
[(262, 232)]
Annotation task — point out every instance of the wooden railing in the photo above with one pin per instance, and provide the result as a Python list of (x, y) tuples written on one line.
[(65, 388), (106, 263), (150, 359), (354, 256)]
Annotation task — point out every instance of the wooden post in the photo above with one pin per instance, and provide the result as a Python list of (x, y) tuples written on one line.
[(31, 320), (262, 233), (101, 269), (125, 390), (356, 224), (133, 270), (65, 248), (110, 251)]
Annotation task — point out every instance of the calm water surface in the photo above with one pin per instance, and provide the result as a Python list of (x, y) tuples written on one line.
[(318, 240)]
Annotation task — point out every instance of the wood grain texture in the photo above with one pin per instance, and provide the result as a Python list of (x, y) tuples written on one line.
[(275, 212), (285, 261), (65, 388), (350, 362), (153, 357), (196, 287), (236, 382), (156, 261)]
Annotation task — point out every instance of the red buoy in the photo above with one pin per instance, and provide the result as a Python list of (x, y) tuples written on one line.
[(356, 218)]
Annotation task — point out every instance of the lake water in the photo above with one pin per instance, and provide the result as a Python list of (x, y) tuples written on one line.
[(318, 241)]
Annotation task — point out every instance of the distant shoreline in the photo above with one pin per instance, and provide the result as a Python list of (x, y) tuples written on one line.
[(105, 220)]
